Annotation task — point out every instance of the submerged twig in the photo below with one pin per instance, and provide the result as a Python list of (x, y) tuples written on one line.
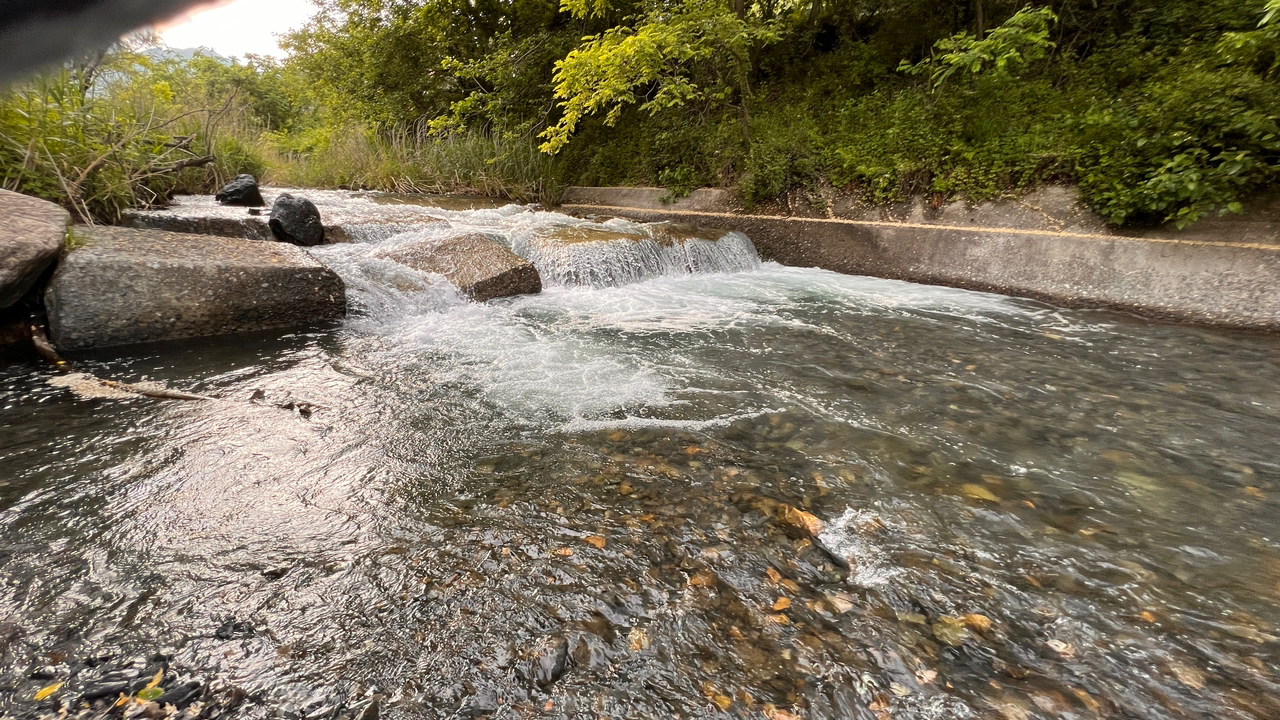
[(47, 351)]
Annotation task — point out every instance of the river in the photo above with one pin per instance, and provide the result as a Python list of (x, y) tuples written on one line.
[(580, 503)]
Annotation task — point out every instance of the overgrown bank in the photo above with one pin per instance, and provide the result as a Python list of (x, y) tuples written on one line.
[(1159, 111)]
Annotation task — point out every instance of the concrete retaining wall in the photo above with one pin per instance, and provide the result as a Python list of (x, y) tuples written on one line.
[(1221, 283)]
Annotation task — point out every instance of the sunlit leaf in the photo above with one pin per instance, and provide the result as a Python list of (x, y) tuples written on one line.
[(46, 692)]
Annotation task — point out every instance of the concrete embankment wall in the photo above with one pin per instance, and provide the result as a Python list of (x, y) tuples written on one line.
[(1203, 281)]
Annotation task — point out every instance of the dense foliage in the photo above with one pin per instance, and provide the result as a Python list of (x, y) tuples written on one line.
[(129, 126), (1159, 110)]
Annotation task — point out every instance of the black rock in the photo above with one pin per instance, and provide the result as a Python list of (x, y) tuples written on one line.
[(589, 652), (120, 680), (243, 190), (546, 664), (233, 628), (146, 677), (105, 688), (180, 696), (296, 220), (483, 704)]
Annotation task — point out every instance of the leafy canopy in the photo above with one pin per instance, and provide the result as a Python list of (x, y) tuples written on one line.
[(697, 51), (1021, 40)]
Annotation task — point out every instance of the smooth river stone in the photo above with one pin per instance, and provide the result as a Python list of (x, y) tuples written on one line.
[(481, 267), (122, 285), (31, 235)]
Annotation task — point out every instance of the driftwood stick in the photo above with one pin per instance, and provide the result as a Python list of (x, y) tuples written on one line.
[(182, 164), (161, 394), (50, 354)]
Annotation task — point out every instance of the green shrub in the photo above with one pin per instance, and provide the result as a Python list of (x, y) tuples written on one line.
[(1192, 141)]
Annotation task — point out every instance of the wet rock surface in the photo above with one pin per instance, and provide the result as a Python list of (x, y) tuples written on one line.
[(296, 220), (31, 236), (480, 266), (242, 191), (122, 286)]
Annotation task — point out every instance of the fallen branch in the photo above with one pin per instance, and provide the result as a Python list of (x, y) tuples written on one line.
[(159, 393), (47, 351), (181, 165)]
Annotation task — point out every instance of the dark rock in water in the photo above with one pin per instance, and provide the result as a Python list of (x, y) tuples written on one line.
[(546, 664), (127, 680), (180, 696), (296, 220), (233, 628), (483, 704), (32, 232), (107, 687), (243, 190), (589, 652), (140, 683)]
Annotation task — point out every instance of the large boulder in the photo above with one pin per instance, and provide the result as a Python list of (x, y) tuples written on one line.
[(123, 285), (296, 220), (32, 232), (243, 190), (482, 267)]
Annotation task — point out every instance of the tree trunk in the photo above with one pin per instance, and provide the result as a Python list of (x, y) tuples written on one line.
[(815, 11), (740, 7), (982, 20)]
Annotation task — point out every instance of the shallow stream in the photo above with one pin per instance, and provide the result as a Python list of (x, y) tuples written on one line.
[(580, 503)]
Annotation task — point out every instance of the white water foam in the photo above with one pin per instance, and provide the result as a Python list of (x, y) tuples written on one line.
[(627, 311)]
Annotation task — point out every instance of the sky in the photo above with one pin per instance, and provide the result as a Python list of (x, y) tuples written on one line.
[(236, 27)]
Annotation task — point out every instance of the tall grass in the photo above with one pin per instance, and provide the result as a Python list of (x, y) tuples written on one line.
[(116, 136), (411, 160), (130, 131)]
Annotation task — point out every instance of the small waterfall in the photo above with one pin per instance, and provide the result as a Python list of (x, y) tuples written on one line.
[(611, 255), (567, 251)]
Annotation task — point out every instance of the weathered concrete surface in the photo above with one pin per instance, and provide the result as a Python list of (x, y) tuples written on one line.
[(32, 232), (478, 265), (123, 285), (249, 227), (1053, 208), (1207, 282), (257, 227)]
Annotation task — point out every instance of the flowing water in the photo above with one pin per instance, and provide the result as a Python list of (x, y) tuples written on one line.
[(583, 503)]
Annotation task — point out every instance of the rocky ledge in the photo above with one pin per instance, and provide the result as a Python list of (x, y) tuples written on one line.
[(122, 285)]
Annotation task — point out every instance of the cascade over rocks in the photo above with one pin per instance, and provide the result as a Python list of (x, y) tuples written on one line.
[(296, 220), (243, 190), (124, 285), (31, 237), (482, 267)]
